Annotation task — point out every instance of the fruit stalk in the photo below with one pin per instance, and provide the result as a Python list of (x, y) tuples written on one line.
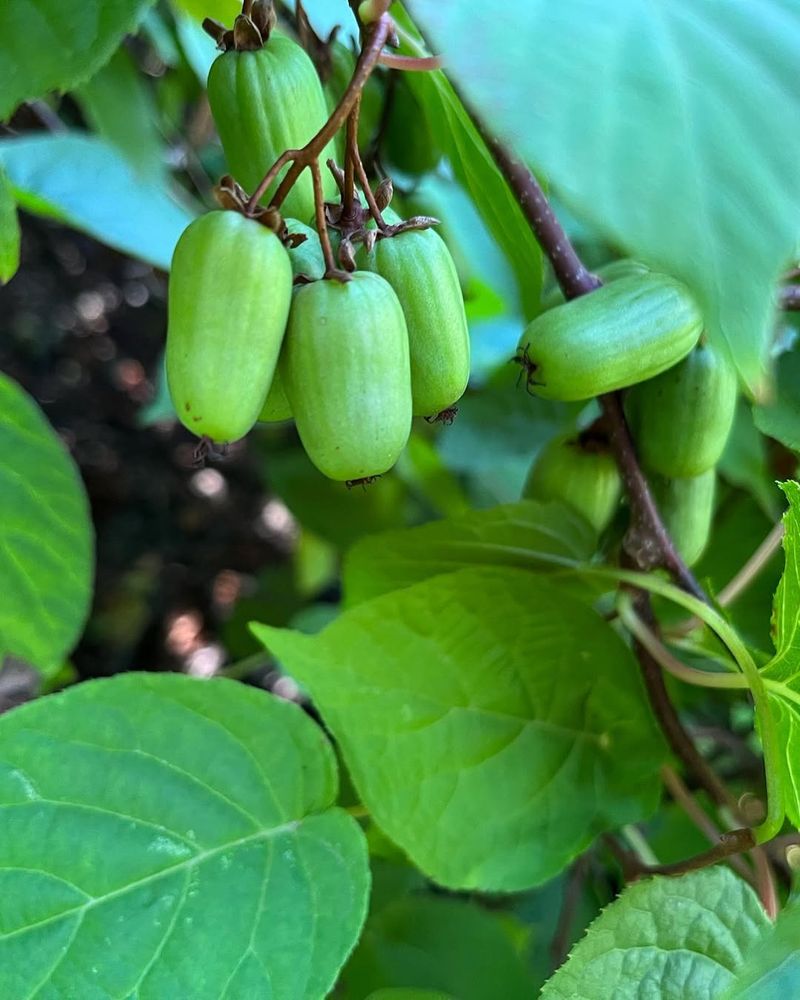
[(377, 36)]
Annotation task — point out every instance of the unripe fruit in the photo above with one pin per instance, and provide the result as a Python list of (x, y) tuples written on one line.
[(625, 332), (682, 418), (687, 509), (418, 266), (409, 142), (580, 471), (346, 372), (613, 271), (229, 295), (276, 406), (307, 258), (265, 102)]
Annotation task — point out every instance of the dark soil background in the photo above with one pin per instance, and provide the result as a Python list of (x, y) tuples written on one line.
[(82, 330)]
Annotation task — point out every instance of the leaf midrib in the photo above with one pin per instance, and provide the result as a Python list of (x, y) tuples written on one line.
[(185, 864)]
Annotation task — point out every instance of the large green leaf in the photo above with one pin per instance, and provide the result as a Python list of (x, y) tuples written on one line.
[(86, 183), (56, 44), (166, 837), (780, 417), (672, 125), (673, 939), (46, 558), (492, 725), (118, 105), (475, 170), (425, 941), (783, 671), (772, 969), (546, 537), (9, 231)]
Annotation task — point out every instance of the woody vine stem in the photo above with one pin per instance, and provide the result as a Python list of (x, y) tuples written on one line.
[(647, 545)]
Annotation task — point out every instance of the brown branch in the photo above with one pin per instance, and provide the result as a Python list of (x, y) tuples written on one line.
[(647, 541), (684, 798), (728, 845), (562, 938), (679, 740), (377, 35)]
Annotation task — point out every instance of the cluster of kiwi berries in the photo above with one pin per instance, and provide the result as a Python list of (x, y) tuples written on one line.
[(641, 332), (261, 330)]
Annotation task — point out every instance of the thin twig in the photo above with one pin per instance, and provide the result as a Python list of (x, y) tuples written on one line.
[(351, 142), (765, 883), (647, 541), (684, 798), (322, 226), (363, 180), (728, 845), (679, 740), (562, 937), (753, 566), (411, 64), (668, 661), (742, 580)]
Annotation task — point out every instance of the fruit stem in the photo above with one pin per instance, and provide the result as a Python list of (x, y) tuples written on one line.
[(322, 224), (376, 36), (351, 143), (363, 180), (411, 64)]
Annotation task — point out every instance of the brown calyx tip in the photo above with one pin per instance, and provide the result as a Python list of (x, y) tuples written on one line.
[(251, 29), (364, 482), (231, 196)]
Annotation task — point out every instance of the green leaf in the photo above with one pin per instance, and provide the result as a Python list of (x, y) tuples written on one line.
[(545, 537), (83, 182), (429, 942), (671, 938), (672, 126), (9, 231), (167, 837), (780, 418), (475, 170), (56, 44), (118, 105), (46, 560), (782, 673), (772, 970), (492, 725)]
